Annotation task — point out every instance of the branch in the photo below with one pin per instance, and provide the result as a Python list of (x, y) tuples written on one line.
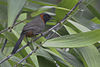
[(67, 15), (8, 28), (4, 45), (33, 51)]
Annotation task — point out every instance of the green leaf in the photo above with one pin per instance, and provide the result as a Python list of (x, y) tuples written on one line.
[(41, 10), (11, 37), (14, 7), (1, 27), (79, 26), (43, 53), (43, 62), (71, 58), (70, 30), (91, 56), (96, 20), (68, 4), (76, 40), (23, 16), (59, 56), (94, 11), (6, 63), (41, 3), (3, 3), (3, 13)]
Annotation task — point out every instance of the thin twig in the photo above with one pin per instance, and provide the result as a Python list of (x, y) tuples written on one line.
[(70, 11), (33, 51), (4, 45), (8, 28)]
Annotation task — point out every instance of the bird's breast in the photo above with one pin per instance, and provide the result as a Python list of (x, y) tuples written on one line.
[(29, 33)]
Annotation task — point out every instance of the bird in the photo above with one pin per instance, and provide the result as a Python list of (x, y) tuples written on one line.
[(33, 28)]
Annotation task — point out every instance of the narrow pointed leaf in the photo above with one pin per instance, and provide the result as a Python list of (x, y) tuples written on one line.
[(76, 40), (91, 56), (14, 7)]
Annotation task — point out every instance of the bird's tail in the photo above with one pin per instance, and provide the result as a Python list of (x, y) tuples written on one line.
[(18, 43)]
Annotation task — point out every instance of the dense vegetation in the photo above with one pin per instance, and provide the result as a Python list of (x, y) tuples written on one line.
[(74, 43)]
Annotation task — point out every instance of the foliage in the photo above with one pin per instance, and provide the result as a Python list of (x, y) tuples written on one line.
[(75, 44)]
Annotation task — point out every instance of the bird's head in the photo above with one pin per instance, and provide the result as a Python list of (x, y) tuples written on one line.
[(45, 17)]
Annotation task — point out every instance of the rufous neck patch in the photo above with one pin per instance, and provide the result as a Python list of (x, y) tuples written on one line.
[(42, 17)]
